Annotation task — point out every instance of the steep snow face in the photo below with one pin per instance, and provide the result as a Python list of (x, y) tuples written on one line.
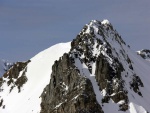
[(121, 77), (38, 75)]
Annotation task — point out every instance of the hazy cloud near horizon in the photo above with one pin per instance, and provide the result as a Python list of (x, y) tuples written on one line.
[(30, 26)]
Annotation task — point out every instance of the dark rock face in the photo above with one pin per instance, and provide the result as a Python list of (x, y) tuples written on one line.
[(110, 80), (68, 91), (136, 83)]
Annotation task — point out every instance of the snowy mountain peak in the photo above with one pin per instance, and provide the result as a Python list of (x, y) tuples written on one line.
[(97, 73), (102, 30), (100, 49)]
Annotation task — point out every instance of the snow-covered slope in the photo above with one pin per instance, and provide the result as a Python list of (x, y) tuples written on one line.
[(118, 77), (38, 74)]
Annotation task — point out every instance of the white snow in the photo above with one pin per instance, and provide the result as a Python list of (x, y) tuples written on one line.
[(58, 105), (134, 108), (105, 21), (121, 102), (66, 87), (103, 92), (38, 74)]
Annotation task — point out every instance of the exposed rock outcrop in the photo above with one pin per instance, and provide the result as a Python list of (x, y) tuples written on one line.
[(68, 91)]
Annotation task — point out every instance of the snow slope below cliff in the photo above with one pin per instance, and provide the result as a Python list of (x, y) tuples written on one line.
[(38, 74)]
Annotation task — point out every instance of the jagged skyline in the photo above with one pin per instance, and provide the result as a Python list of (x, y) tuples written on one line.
[(27, 27), (95, 73)]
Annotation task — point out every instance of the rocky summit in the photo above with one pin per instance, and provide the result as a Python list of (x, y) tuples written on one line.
[(95, 73)]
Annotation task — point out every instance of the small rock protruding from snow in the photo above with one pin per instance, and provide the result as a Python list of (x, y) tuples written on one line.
[(144, 53)]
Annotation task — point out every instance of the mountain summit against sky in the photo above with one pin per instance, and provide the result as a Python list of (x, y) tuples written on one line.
[(95, 73)]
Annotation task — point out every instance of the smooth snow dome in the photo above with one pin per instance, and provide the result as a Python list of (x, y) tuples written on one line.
[(38, 74)]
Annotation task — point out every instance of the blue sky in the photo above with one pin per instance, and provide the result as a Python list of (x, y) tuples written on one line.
[(30, 26)]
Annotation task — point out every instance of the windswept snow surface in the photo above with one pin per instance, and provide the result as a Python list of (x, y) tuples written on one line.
[(38, 74)]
